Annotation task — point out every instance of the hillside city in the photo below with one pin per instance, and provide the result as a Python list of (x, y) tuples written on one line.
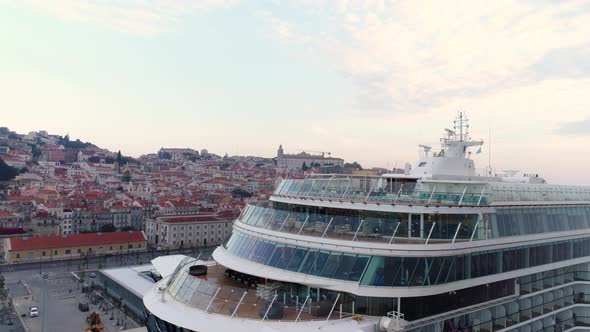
[(176, 197)]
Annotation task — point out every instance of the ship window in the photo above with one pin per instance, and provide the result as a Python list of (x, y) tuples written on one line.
[(309, 260), (296, 260), (285, 257), (331, 264), (358, 268), (317, 266), (276, 255), (422, 164), (344, 267)]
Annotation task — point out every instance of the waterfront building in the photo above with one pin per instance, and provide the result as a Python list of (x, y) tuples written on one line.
[(42, 248)]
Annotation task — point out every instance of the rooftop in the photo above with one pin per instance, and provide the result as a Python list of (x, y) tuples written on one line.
[(42, 242)]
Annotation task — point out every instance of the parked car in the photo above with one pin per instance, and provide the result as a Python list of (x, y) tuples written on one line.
[(92, 275), (83, 307), (34, 312)]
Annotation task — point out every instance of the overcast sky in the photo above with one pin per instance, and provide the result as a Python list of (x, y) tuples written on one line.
[(364, 80)]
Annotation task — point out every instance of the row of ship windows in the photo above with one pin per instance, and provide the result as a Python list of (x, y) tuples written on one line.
[(373, 224), (523, 221), (383, 226), (401, 271)]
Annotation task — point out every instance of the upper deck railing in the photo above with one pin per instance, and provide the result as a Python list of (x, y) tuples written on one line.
[(378, 189), (375, 189), (238, 295)]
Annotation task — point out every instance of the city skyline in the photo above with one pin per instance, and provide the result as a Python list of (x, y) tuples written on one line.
[(367, 82)]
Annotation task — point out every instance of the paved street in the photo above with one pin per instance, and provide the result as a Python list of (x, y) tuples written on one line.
[(98, 262), (51, 287)]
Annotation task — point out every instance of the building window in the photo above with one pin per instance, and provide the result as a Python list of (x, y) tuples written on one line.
[(43, 253), (55, 253), (68, 251), (17, 255), (79, 251), (111, 248), (130, 246)]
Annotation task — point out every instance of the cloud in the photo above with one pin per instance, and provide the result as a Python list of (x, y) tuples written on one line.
[(142, 17), (577, 128), (412, 55)]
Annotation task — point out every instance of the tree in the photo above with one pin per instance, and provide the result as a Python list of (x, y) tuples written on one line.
[(223, 166), (3, 290), (7, 173), (165, 155), (304, 167), (240, 193), (126, 177), (119, 160), (107, 228), (353, 165), (35, 151)]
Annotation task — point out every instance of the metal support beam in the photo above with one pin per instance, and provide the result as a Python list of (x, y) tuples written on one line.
[(474, 230), (328, 227), (480, 196), (302, 307), (212, 299), (431, 194), (394, 232), (370, 191), (399, 192), (462, 195), (456, 232), (269, 219), (333, 306), (305, 222), (346, 190), (270, 306), (239, 303), (284, 221), (358, 229), (430, 233)]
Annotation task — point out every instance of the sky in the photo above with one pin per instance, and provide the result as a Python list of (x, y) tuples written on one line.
[(366, 81)]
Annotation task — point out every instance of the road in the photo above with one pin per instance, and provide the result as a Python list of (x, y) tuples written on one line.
[(50, 286), (103, 261)]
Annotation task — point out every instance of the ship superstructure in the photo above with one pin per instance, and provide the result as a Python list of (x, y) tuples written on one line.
[(440, 248)]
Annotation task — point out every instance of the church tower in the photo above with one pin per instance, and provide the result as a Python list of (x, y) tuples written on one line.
[(280, 151)]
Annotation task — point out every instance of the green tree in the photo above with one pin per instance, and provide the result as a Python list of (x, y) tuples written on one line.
[(119, 160), (3, 290), (7, 173), (126, 177), (304, 167), (107, 228), (223, 166), (240, 193), (353, 165)]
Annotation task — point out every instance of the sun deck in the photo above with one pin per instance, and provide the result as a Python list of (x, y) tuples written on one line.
[(238, 295)]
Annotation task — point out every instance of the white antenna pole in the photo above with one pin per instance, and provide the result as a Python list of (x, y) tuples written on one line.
[(489, 146), (461, 126)]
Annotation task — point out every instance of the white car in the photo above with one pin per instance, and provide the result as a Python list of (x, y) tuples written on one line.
[(34, 312)]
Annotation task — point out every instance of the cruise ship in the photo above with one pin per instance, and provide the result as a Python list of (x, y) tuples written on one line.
[(442, 247)]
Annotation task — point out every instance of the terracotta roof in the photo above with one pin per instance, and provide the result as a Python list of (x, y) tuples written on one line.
[(6, 214), (192, 218), (43, 242)]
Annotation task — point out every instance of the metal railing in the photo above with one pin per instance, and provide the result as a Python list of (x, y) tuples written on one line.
[(375, 190), (378, 189), (250, 301)]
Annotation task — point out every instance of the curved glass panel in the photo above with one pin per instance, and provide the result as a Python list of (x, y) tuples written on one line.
[(403, 271)]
